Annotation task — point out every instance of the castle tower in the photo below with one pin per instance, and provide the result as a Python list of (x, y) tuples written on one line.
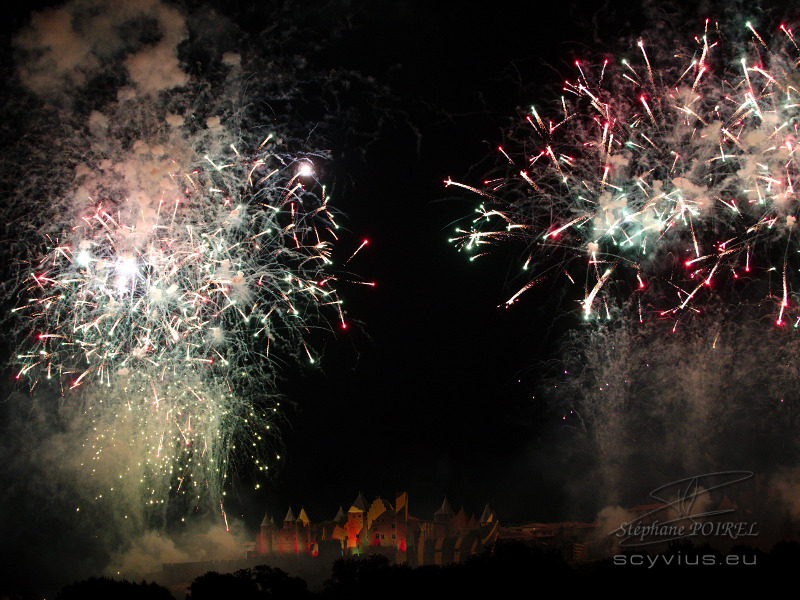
[(287, 536), (443, 520), (303, 530), (489, 526), (460, 522), (401, 520), (356, 522), (266, 537), (339, 532)]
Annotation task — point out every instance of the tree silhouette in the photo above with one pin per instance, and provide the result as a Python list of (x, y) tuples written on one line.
[(102, 588)]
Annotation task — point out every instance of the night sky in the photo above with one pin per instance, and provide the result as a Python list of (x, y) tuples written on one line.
[(433, 389), (432, 395)]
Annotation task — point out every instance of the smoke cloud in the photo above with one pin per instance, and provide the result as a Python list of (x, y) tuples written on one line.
[(656, 402)]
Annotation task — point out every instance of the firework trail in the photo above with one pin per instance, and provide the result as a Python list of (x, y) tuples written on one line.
[(169, 258), (662, 177), (719, 393)]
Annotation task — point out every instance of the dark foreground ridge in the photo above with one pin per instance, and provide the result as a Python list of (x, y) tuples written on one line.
[(505, 568)]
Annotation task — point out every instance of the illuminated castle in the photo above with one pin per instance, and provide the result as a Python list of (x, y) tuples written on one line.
[(382, 528)]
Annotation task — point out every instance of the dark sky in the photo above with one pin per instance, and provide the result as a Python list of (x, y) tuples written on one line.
[(439, 400)]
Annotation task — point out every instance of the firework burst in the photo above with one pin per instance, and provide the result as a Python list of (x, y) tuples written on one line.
[(160, 325), (173, 255), (205, 282), (167, 320), (672, 176)]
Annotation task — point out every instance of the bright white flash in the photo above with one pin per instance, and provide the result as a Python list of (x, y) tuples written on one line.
[(84, 258), (126, 266)]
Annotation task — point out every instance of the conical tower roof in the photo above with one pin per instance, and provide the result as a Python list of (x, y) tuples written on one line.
[(303, 517), (340, 516), (359, 504), (488, 515), (445, 510), (267, 521)]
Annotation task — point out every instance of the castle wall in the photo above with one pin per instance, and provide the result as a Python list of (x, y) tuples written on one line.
[(378, 529)]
